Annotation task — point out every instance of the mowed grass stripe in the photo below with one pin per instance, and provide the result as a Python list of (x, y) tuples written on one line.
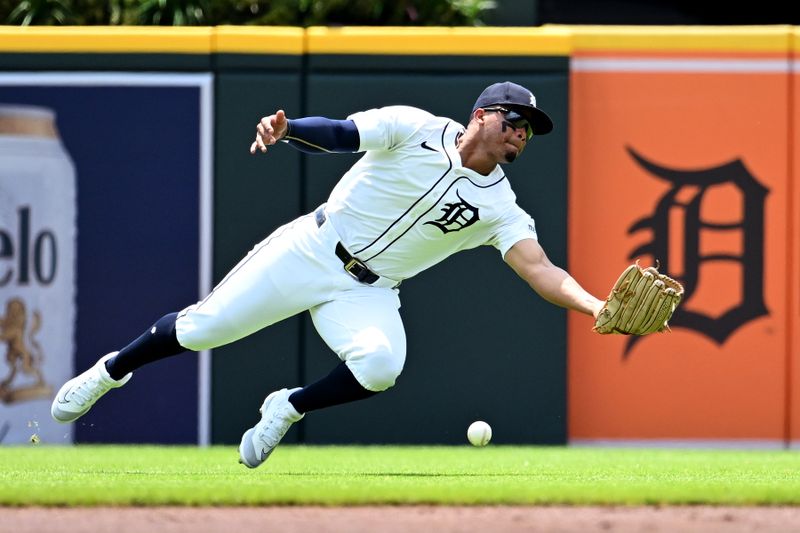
[(358, 475)]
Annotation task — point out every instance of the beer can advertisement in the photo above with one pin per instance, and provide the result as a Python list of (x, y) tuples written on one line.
[(37, 269), (94, 170)]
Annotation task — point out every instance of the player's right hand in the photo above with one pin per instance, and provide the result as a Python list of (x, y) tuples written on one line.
[(269, 131)]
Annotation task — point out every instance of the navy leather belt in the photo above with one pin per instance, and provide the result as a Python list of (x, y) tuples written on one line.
[(352, 266)]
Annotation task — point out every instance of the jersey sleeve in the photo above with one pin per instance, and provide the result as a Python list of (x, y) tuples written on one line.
[(387, 128), (516, 226)]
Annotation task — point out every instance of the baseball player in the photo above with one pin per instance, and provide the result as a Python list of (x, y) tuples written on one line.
[(426, 188)]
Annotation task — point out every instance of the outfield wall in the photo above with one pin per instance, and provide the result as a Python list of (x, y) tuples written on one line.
[(638, 112)]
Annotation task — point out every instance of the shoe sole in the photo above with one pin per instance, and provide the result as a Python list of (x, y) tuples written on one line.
[(247, 444), (247, 440), (65, 417), (59, 415)]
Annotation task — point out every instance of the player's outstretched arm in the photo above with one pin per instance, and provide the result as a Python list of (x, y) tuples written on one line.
[(313, 135), (552, 283)]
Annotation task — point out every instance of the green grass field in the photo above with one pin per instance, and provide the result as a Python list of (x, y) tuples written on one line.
[(352, 475)]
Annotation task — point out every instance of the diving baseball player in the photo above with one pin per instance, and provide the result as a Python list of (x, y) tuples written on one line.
[(425, 188)]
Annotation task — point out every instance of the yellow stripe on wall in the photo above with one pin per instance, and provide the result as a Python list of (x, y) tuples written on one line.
[(152, 39), (759, 39), (548, 40), (130, 39), (437, 41), (259, 40)]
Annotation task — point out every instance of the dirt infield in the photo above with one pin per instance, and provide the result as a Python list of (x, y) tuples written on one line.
[(385, 519)]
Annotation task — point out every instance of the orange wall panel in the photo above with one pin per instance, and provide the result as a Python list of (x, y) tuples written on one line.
[(793, 289), (688, 168)]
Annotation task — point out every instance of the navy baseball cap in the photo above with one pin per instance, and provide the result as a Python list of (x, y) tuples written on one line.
[(519, 99)]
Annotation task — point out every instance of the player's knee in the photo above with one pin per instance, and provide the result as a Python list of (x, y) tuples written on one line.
[(378, 371), (378, 360), (194, 332)]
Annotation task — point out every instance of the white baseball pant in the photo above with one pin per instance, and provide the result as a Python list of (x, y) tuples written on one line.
[(293, 270)]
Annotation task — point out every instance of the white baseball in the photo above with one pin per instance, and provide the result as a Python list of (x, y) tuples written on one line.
[(479, 433)]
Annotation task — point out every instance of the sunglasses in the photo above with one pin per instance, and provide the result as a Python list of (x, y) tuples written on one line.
[(514, 119)]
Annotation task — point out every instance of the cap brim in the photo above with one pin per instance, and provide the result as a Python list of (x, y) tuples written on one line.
[(538, 119)]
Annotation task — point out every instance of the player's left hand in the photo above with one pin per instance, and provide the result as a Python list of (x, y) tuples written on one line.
[(269, 130)]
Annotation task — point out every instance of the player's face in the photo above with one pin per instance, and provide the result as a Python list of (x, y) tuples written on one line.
[(511, 130)]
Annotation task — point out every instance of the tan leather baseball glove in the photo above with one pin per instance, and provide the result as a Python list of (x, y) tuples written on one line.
[(641, 302)]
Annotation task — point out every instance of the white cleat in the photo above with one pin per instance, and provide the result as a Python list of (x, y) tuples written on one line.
[(79, 394), (277, 415)]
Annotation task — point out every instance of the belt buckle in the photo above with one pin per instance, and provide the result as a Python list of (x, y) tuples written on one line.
[(350, 265)]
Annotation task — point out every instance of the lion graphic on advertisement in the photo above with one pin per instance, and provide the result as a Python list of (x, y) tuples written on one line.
[(23, 353)]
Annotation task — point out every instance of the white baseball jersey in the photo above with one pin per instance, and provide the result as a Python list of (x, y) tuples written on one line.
[(408, 203)]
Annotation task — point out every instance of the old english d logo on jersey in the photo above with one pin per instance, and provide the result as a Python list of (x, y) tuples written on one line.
[(685, 201), (456, 216)]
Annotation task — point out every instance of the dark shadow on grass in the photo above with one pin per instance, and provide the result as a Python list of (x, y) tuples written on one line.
[(299, 474), (392, 474)]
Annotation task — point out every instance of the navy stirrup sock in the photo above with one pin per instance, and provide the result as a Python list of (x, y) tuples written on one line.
[(338, 387), (156, 343)]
